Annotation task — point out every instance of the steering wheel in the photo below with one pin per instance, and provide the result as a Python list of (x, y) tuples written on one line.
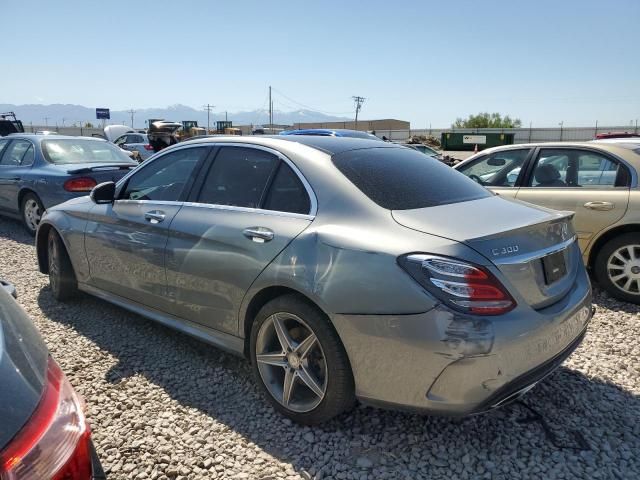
[(476, 179)]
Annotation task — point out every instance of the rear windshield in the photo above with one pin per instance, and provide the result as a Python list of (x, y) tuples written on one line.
[(65, 150), (404, 179)]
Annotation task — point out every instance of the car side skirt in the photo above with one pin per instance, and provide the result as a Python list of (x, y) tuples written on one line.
[(224, 341)]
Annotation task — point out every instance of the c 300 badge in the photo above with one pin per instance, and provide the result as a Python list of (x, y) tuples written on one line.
[(505, 250)]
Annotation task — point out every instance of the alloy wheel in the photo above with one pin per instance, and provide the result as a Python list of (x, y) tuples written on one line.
[(291, 362), (623, 269), (32, 213)]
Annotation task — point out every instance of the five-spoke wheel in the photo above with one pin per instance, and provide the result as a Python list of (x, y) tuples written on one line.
[(300, 362)]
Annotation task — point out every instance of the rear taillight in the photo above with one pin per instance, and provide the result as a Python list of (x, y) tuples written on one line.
[(461, 285), (148, 147), (54, 444), (81, 184)]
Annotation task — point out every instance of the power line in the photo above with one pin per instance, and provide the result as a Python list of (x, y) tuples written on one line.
[(307, 106), (359, 101), (208, 108)]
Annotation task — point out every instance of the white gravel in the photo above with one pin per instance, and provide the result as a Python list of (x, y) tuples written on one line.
[(165, 406)]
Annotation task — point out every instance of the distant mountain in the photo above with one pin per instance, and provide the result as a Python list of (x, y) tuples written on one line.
[(69, 114)]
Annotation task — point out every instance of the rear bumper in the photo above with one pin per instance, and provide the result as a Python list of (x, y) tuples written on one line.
[(442, 362)]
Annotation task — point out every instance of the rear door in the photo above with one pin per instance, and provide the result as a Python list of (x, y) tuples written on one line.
[(498, 171), (588, 182), (125, 241), (250, 204), (17, 158)]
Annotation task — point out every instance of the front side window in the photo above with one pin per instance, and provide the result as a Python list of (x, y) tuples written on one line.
[(238, 177), (20, 152), (165, 178), (576, 168), (3, 145), (500, 169), (403, 179), (70, 151), (287, 193)]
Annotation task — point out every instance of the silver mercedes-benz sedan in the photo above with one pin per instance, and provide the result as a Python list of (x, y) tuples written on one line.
[(342, 268)]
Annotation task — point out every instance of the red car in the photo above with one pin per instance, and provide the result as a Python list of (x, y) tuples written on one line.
[(601, 136), (43, 431)]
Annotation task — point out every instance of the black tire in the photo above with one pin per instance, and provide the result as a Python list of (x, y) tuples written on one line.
[(340, 390), (62, 278), (30, 206), (602, 272)]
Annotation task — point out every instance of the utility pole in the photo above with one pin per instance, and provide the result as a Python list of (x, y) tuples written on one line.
[(46, 121), (225, 116), (131, 112), (270, 109), (359, 101), (208, 108), (63, 119), (561, 125)]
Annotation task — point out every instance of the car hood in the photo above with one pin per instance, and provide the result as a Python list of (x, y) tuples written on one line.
[(23, 363)]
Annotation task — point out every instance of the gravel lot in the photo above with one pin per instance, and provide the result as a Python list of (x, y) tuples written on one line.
[(163, 405)]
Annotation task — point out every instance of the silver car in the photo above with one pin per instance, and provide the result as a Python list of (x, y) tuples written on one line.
[(342, 268), (135, 142)]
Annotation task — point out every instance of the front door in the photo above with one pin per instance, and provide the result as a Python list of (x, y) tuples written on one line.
[(587, 182), (16, 158), (125, 241), (249, 207)]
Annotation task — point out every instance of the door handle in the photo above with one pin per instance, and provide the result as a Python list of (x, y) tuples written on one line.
[(599, 205), (258, 234), (155, 216)]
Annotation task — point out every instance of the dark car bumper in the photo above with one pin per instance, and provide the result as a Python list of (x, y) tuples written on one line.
[(97, 472)]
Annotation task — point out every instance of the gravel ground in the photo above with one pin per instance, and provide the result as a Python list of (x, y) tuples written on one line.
[(163, 405)]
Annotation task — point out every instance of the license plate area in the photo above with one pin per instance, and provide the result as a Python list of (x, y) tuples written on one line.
[(554, 267)]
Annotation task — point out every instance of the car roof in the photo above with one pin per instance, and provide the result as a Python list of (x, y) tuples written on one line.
[(329, 144), (626, 150)]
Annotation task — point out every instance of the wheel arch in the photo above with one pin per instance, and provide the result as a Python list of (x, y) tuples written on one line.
[(22, 193), (607, 236), (260, 299), (42, 248)]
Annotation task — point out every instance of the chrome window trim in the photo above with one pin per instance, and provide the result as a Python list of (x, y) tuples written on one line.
[(260, 211), (312, 195), (538, 254), (217, 207)]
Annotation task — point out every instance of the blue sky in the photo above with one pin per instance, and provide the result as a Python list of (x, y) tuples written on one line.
[(427, 62)]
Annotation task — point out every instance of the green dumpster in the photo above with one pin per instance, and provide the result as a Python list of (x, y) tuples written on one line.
[(467, 141)]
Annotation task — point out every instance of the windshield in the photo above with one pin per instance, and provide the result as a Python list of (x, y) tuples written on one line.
[(64, 151), (403, 179)]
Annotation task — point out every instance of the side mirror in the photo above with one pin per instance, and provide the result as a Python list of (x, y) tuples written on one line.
[(497, 162), (103, 193)]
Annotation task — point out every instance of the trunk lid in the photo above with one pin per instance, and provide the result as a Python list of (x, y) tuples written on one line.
[(532, 246), (23, 363)]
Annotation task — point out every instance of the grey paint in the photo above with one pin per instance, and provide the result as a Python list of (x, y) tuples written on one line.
[(345, 259), (23, 363)]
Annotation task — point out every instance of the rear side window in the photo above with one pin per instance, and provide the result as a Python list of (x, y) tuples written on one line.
[(403, 179), (238, 177), (287, 193), (20, 152)]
